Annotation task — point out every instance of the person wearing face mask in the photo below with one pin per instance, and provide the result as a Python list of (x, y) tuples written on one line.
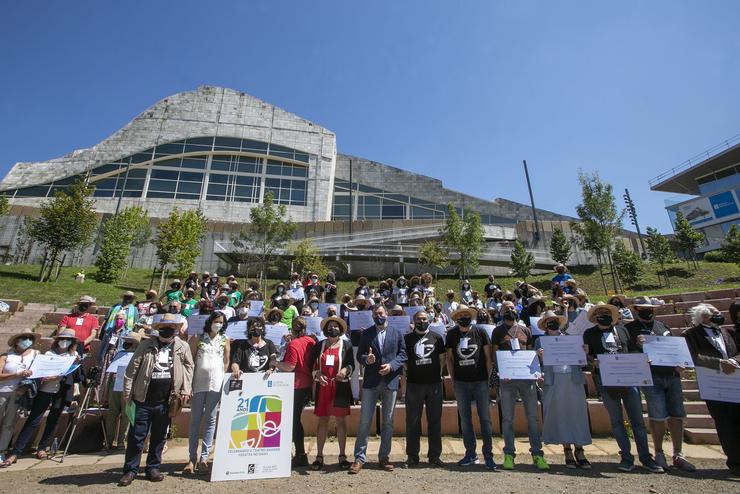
[(51, 396), (113, 345), (116, 420), (107, 331), (158, 380), (289, 310), (277, 296), (491, 286), (255, 354), (450, 306), (174, 293), (466, 293), (569, 303), (297, 360), (210, 351), (625, 314), (565, 409), (313, 307), (400, 292), (222, 306), (84, 324), (382, 352), (332, 363), (424, 387), (189, 304), (330, 288), (151, 298), (665, 397), (607, 336), (13, 369), (718, 348), (313, 288), (558, 281), (512, 334), (362, 288), (469, 364), (235, 296)]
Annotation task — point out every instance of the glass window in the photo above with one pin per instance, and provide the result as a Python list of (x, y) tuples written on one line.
[(298, 197), (102, 192), (161, 185), (254, 146), (134, 183), (249, 165), (191, 176), (100, 170), (216, 189), (393, 211), (244, 180), (160, 195), (174, 163), (300, 171), (36, 191), (242, 191), (108, 183), (191, 162), (281, 151), (221, 163), (274, 169), (193, 197), (165, 174), (189, 187), (227, 143), (131, 193), (301, 157), (341, 199), (218, 178), (142, 157), (136, 173), (171, 148), (200, 141)]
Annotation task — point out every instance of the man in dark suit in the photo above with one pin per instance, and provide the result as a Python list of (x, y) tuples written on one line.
[(717, 348), (382, 352)]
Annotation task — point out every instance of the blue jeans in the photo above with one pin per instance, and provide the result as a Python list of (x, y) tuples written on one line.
[(367, 411), (203, 404), (147, 416), (664, 398), (633, 405), (528, 392), (465, 393)]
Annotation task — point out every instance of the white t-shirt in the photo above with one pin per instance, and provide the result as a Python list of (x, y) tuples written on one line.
[(209, 363)]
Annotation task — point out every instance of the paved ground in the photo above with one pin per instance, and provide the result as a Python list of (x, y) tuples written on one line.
[(93, 473)]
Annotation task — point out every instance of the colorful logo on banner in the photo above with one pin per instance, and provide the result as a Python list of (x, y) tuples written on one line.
[(256, 423)]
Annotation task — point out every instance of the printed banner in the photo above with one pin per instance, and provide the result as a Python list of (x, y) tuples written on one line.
[(255, 427)]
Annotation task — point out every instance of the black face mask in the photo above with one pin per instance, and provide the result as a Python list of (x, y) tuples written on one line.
[(509, 316), (128, 346), (450, 297), (421, 326), (552, 326), (646, 314), (379, 320), (174, 310), (254, 333), (464, 321), (604, 319), (331, 331), (127, 300), (82, 308), (167, 333), (717, 319)]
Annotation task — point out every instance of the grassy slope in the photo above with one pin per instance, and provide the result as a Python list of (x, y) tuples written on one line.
[(19, 282)]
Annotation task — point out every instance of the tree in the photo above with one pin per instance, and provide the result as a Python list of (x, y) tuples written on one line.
[(731, 245), (119, 233), (433, 255), (4, 205), (177, 241), (628, 264), (659, 251), (268, 232), (687, 239), (559, 246), (307, 259), (600, 220), (464, 237), (66, 222), (522, 261)]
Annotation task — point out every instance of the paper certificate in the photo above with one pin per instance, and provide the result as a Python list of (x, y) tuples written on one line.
[(237, 330), (275, 333), (255, 308), (536, 331), (669, 351), (360, 320), (438, 328), (488, 328), (313, 326), (412, 310), (718, 386), (196, 322), (51, 365), (580, 325), (323, 309), (563, 350), (120, 374), (625, 369), (520, 364), (121, 359), (401, 323)]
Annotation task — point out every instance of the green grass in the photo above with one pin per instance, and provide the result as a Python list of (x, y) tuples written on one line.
[(19, 282)]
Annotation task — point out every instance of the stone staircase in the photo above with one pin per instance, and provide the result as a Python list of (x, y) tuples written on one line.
[(28, 318)]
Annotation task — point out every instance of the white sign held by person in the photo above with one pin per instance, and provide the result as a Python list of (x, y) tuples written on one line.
[(324, 308), (360, 320), (196, 322), (313, 326), (255, 428), (255, 308)]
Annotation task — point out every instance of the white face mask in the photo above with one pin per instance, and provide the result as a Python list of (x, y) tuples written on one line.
[(243, 311), (216, 326), (64, 344), (24, 344)]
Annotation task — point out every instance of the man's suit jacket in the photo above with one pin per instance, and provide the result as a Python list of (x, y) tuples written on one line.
[(702, 350), (393, 353)]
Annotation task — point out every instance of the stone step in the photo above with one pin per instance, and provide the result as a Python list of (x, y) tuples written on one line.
[(691, 394), (694, 421), (701, 436), (689, 384), (39, 307)]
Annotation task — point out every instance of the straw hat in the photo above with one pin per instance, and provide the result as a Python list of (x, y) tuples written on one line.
[(396, 310), (464, 310), (169, 320), (560, 265), (571, 282), (549, 315), (152, 292), (133, 336), (27, 333), (534, 299), (127, 293), (338, 320), (644, 302), (601, 307), (361, 300), (86, 299), (66, 333)]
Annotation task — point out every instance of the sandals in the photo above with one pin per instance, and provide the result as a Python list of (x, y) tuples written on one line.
[(189, 469), (318, 464), (202, 467), (343, 463), (8, 461), (41, 455)]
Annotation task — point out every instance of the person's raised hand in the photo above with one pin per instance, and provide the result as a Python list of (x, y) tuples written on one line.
[(370, 359), (384, 369)]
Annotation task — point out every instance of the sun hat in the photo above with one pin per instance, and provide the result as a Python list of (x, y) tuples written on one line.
[(396, 310), (169, 320), (86, 299), (66, 333), (127, 293), (560, 265), (549, 315), (643, 302), (338, 320), (601, 307), (464, 310), (26, 333)]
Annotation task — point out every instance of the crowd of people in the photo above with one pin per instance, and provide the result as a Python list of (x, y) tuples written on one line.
[(168, 367)]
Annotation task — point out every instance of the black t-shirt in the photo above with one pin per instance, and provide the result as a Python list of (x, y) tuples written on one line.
[(313, 291), (191, 284), (657, 328), (490, 288), (422, 366), (331, 293), (522, 333), (469, 363), (160, 384), (612, 340), (362, 290), (250, 359)]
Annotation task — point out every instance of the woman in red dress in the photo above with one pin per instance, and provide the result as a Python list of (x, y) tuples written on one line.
[(333, 363)]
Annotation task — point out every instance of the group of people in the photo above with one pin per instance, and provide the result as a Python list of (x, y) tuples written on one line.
[(169, 367)]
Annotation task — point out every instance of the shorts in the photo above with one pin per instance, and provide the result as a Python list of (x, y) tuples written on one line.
[(664, 398)]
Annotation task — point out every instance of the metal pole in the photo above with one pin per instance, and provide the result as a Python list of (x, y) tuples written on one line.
[(632, 209), (123, 187), (351, 199), (534, 210)]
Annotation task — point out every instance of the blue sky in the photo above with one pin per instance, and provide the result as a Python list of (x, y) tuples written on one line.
[(462, 91)]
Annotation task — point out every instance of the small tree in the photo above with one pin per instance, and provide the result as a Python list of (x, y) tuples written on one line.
[(269, 231), (4, 205), (559, 246), (464, 237), (659, 251), (307, 259), (731, 245), (687, 239), (65, 223), (522, 261), (177, 241), (433, 255), (628, 264), (119, 232)]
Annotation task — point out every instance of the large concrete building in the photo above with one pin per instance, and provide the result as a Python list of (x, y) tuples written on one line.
[(221, 150)]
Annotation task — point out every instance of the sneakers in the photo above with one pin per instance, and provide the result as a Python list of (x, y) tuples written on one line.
[(467, 461), (490, 464), (680, 462), (653, 467), (625, 465), (660, 460), (540, 463), (508, 462)]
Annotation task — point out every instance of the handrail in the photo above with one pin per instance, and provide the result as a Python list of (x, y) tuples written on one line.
[(694, 160)]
